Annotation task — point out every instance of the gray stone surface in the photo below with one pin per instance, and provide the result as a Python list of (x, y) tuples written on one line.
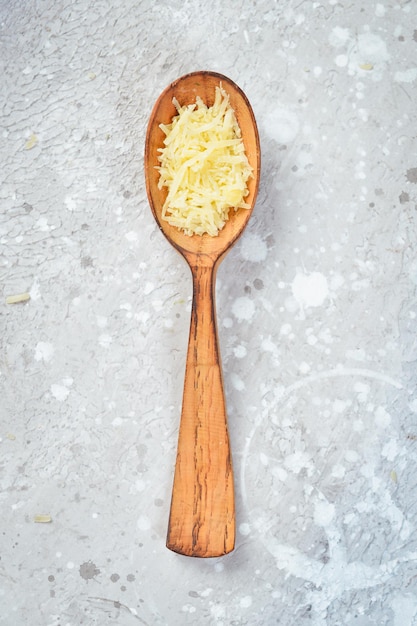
[(316, 305)]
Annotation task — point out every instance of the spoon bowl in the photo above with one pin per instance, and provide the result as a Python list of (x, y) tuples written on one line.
[(202, 513), (185, 90)]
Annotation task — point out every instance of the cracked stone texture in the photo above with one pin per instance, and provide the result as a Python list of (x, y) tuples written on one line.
[(316, 304)]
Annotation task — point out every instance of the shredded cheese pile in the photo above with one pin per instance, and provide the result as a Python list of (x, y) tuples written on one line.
[(203, 165)]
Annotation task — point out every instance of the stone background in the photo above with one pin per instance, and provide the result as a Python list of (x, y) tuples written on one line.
[(316, 307)]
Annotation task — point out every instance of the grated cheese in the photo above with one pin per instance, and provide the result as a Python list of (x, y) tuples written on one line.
[(42, 519), (16, 299), (204, 166)]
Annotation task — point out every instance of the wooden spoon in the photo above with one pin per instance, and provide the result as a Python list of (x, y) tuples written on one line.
[(202, 515)]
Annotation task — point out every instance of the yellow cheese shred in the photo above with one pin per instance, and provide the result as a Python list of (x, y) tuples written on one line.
[(16, 299), (42, 518), (204, 166)]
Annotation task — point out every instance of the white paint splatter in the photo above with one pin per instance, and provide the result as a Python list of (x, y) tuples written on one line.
[(365, 54), (253, 248), (358, 426), (206, 592), (268, 345), (351, 456), (282, 125), (131, 236), (362, 390), (339, 36), (60, 392), (263, 459), (101, 321), (310, 290), (148, 288), (406, 76), (358, 354), (217, 610), (237, 382), (158, 305), (341, 60), (312, 340), (379, 10), (240, 351), (413, 406), (105, 340), (246, 602), (35, 292), (243, 308), (382, 417), (338, 471), (44, 351), (143, 523), (291, 304), (324, 513), (404, 607), (280, 473), (372, 48), (297, 461), (339, 406), (412, 272), (42, 224), (70, 203), (390, 450), (244, 529)]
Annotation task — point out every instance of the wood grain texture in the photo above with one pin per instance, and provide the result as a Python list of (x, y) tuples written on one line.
[(202, 521), (202, 514)]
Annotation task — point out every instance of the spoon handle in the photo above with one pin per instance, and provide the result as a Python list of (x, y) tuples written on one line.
[(202, 516)]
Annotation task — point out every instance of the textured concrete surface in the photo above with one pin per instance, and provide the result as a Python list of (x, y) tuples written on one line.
[(316, 305)]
